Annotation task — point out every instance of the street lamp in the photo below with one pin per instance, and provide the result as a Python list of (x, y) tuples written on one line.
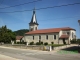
[(79, 24)]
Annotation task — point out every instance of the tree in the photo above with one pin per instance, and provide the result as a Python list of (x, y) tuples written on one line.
[(6, 35), (21, 32)]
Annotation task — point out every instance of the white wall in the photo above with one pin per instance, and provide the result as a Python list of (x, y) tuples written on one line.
[(71, 34), (43, 37)]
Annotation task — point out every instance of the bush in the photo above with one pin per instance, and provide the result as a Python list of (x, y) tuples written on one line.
[(45, 43), (31, 43), (78, 41), (14, 42), (73, 41), (37, 43), (18, 42), (41, 43), (52, 42), (24, 42)]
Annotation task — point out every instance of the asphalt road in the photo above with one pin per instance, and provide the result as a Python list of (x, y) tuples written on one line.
[(37, 55)]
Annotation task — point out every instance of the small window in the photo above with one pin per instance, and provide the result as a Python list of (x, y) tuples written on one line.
[(54, 36), (39, 37), (47, 37), (31, 29), (33, 37), (72, 35), (36, 28), (64, 32), (68, 33)]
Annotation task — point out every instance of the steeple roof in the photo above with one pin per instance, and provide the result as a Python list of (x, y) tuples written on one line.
[(33, 20)]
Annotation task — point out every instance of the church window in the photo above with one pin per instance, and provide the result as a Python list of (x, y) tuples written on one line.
[(36, 28), (72, 35), (31, 29), (39, 37), (54, 36), (47, 37), (33, 37)]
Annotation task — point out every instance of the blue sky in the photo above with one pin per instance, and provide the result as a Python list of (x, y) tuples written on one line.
[(65, 16)]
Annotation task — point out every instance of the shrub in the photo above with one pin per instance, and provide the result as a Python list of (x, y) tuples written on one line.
[(78, 41), (18, 42), (45, 43), (41, 43), (24, 42), (52, 42), (73, 41), (31, 43), (37, 43)]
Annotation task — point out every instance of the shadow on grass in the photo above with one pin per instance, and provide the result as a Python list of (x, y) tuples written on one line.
[(75, 49)]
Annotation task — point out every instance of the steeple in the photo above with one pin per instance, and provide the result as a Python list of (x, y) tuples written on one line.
[(33, 20), (33, 25)]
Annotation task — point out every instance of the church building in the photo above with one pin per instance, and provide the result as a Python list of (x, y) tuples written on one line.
[(57, 35)]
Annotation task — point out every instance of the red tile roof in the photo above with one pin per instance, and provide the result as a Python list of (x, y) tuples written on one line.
[(52, 30), (64, 36), (19, 37)]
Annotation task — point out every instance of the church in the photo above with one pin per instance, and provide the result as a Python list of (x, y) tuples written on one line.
[(57, 35)]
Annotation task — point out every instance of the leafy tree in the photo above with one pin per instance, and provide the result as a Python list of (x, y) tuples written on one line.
[(6, 35), (21, 32)]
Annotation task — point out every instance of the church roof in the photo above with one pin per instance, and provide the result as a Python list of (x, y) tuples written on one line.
[(33, 20), (51, 30), (64, 36)]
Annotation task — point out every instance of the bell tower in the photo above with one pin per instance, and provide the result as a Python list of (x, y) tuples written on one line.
[(33, 25)]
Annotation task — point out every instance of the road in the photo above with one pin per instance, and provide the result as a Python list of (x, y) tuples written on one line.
[(37, 55)]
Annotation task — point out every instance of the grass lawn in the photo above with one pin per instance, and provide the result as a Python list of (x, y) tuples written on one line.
[(67, 52)]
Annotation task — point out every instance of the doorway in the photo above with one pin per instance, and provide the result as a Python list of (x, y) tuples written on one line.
[(64, 41)]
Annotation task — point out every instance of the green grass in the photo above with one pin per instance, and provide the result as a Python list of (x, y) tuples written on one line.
[(67, 52)]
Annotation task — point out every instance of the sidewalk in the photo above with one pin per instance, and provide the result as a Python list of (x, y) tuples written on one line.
[(3, 57)]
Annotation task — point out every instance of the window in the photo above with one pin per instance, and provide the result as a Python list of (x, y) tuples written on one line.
[(64, 32), (31, 29), (72, 35), (47, 37), (39, 37), (33, 37), (68, 33), (54, 36), (36, 28)]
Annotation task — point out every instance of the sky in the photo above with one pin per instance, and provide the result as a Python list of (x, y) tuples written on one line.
[(64, 16)]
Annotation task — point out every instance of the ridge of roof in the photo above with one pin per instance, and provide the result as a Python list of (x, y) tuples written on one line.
[(49, 30)]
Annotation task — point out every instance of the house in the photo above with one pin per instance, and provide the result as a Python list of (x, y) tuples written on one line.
[(19, 38), (57, 35)]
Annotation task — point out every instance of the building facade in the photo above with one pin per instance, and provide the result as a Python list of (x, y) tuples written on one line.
[(56, 35)]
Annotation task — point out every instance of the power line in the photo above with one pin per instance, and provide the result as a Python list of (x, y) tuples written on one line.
[(42, 8), (20, 4), (61, 18)]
